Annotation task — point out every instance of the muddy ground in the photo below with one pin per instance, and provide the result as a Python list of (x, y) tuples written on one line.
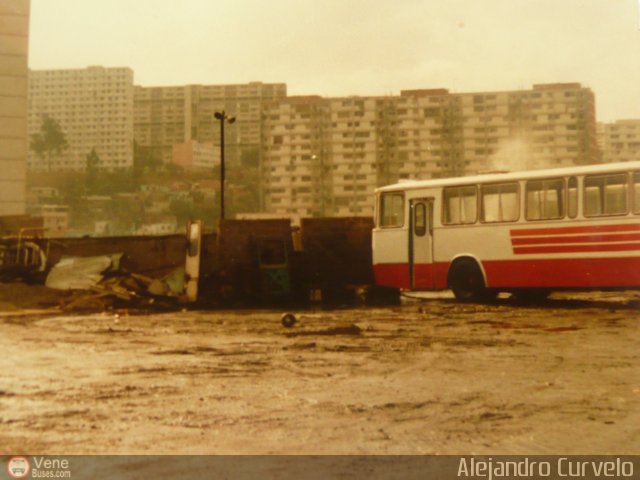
[(431, 377)]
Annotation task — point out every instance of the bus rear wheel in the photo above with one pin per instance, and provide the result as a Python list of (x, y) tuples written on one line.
[(467, 282)]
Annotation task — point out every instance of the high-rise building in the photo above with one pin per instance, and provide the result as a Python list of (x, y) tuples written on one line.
[(620, 140), (295, 156), (94, 109), (14, 45), (195, 155), (551, 125), (166, 116), (324, 156), (161, 119)]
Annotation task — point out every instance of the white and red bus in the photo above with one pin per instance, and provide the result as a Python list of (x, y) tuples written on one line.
[(527, 233)]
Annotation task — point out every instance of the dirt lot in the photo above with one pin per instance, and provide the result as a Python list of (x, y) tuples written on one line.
[(432, 377)]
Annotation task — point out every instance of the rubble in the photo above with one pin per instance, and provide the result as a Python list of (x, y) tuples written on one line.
[(80, 273), (94, 284), (128, 290)]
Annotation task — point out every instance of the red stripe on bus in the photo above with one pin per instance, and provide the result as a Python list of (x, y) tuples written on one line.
[(395, 275), (569, 230), (623, 237), (426, 275), (613, 247), (532, 273), (564, 273)]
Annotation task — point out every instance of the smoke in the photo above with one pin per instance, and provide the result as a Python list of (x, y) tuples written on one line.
[(512, 155)]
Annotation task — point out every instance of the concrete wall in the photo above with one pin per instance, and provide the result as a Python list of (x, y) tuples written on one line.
[(337, 251), (14, 44)]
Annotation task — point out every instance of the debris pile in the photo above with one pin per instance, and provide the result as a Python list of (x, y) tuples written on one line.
[(100, 283)]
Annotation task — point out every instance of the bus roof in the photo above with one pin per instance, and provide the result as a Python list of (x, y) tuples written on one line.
[(521, 175)]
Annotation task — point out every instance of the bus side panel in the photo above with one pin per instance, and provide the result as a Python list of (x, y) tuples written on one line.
[(564, 273), (395, 275), (441, 275), (424, 274), (391, 257)]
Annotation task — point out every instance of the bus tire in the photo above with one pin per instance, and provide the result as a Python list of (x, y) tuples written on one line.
[(467, 282)]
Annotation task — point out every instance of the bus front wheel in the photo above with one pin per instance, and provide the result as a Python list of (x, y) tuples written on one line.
[(467, 282)]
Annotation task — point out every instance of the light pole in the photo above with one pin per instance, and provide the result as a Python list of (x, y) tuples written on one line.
[(222, 116)]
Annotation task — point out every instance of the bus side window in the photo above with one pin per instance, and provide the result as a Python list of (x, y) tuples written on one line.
[(460, 205), (605, 195), (545, 199), (500, 202), (592, 200), (636, 193), (573, 197), (392, 209)]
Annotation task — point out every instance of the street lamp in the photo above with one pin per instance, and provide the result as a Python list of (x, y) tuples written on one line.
[(222, 116)]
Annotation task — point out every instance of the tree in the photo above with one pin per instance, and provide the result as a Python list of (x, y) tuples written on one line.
[(117, 181), (183, 210), (49, 140), (72, 191), (250, 157), (143, 159), (174, 170), (91, 179), (244, 189)]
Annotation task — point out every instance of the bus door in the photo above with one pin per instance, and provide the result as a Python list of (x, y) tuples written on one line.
[(421, 271)]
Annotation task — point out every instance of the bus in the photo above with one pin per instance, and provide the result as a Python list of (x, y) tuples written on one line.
[(526, 233)]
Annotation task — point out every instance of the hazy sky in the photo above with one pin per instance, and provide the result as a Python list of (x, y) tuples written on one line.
[(353, 47)]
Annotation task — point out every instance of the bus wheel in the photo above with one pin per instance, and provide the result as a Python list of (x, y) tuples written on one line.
[(467, 283)]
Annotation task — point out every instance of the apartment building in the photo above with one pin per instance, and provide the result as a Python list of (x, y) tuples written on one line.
[(325, 156), (293, 156), (166, 116), (14, 44), (161, 119), (193, 155), (94, 109), (619, 141)]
